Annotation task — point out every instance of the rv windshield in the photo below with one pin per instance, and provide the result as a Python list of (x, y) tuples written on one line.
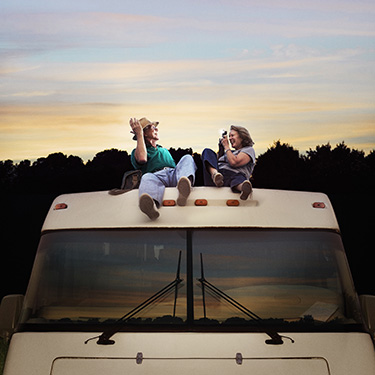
[(223, 278), (99, 276), (293, 276)]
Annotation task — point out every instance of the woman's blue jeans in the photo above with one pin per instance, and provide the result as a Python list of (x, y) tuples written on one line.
[(231, 178)]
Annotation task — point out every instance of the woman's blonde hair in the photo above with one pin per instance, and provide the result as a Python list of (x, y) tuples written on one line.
[(244, 135)]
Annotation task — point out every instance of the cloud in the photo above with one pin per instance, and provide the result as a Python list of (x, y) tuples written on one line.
[(38, 32), (31, 94), (10, 69), (75, 28), (321, 6), (193, 71)]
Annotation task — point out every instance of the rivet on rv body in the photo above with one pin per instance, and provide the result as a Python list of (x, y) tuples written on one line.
[(61, 206), (319, 205)]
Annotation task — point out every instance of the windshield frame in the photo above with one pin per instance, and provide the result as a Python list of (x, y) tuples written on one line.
[(193, 325)]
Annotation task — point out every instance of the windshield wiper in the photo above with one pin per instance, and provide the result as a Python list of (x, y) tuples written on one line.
[(104, 338), (276, 339)]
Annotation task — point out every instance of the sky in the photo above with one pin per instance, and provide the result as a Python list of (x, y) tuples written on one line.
[(72, 73)]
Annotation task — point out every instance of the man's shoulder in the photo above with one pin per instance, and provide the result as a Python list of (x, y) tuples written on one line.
[(151, 149), (161, 149), (154, 148)]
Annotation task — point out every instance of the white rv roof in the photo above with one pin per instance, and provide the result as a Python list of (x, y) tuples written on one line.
[(266, 209)]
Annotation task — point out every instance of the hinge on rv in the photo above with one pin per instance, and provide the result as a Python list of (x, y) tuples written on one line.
[(239, 358), (139, 358)]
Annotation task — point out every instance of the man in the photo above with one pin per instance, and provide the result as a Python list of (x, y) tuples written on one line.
[(158, 168)]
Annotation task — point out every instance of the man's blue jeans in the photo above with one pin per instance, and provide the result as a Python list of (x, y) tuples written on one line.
[(155, 183)]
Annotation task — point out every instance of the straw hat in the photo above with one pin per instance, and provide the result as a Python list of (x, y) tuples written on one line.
[(146, 122)]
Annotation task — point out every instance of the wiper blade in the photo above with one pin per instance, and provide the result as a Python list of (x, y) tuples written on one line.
[(104, 338), (276, 339)]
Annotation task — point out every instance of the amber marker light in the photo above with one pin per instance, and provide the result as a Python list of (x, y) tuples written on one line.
[(201, 202), (319, 205), (61, 206), (169, 202)]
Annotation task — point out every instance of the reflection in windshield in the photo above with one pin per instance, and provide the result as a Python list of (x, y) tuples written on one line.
[(277, 275), (82, 277), (88, 276)]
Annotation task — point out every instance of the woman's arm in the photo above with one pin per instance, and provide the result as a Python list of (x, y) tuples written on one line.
[(235, 161)]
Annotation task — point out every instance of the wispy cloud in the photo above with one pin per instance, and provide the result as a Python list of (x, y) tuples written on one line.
[(319, 6), (283, 57), (30, 94), (44, 31)]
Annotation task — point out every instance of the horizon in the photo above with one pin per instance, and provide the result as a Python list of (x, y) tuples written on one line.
[(301, 153)]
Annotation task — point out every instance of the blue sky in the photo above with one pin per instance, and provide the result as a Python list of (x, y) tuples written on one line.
[(72, 73)]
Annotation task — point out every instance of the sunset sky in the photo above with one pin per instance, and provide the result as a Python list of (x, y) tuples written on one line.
[(72, 73)]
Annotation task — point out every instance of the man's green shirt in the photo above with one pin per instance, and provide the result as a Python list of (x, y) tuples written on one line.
[(157, 158)]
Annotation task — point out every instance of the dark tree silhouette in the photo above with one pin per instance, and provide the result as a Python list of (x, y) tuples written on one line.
[(53, 174), (7, 174), (105, 171), (337, 170), (179, 153), (325, 169), (280, 167)]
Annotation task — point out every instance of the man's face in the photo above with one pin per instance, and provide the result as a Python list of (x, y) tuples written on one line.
[(151, 133)]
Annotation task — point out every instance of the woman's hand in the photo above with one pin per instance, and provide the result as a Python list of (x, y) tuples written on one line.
[(225, 142)]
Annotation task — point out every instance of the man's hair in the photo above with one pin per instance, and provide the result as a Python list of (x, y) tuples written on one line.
[(244, 135)]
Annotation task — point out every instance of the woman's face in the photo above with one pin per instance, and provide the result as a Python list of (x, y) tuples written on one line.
[(235, 139)]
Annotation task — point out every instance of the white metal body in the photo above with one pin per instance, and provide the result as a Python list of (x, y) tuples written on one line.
[(267, 209), (190, 353), (66, 353)]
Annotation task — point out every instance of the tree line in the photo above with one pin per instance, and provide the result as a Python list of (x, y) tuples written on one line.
[(328, 169)]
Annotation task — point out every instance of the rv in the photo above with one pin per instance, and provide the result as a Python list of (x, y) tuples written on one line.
[(220, 286)]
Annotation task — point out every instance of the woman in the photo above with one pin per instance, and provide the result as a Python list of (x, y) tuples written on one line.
[(234, 167)]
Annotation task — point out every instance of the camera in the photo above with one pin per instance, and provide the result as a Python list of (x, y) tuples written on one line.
[(221, 147)]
